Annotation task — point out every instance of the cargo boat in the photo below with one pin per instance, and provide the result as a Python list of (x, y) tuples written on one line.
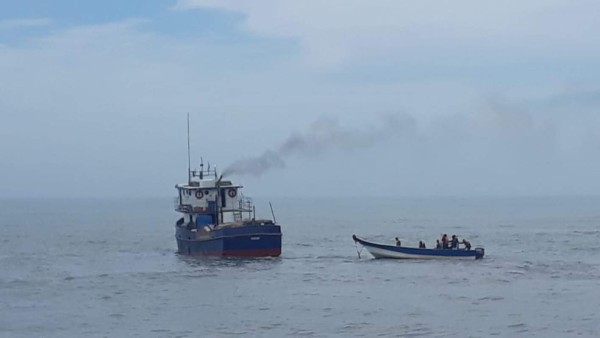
[(219, 221)]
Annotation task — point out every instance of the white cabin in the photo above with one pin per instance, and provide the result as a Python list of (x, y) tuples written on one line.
[(206, 199)]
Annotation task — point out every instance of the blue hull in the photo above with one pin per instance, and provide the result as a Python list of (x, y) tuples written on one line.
[(243, 241), (400, 252)]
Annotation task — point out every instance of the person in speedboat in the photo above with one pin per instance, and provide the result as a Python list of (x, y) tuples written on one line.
[(467, 244), (445, 241), (454, 242)]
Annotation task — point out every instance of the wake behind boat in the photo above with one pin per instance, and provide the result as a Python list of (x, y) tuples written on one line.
[(401, 252)]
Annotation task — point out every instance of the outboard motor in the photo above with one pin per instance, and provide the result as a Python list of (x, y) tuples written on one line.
[(479, 252)]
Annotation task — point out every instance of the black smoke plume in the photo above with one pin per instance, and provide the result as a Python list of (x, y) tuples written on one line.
[(322, 135)]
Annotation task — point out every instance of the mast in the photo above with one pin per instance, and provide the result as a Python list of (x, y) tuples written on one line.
[(188, 141), (218, 202)]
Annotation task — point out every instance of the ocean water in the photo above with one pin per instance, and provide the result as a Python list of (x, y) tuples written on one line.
[(108, 268)]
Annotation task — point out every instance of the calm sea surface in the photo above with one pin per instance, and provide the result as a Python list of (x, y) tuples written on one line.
[(71, 268)]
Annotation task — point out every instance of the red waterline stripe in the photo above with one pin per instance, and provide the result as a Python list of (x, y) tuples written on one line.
[(242, 253), (227, 237)]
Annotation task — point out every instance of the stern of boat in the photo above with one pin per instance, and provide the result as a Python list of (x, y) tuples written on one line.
[(479, 252)]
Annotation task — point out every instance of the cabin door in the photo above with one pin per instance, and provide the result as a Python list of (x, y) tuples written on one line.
[(223, 199)]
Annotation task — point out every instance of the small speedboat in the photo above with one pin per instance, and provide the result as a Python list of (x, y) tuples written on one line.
[(401, 252)]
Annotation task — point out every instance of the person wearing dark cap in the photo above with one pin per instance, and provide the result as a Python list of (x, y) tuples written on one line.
[(398, 243)]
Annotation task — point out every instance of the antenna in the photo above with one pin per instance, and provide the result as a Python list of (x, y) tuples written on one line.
[(272, 213), (188, 139), (201, 168)]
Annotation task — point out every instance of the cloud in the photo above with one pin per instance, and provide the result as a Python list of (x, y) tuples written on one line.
[(342, 33), (100, 110), (15, 24)]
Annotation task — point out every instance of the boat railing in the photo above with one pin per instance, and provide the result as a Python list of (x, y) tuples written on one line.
[(246, 204), (204, 172), (180, 207)]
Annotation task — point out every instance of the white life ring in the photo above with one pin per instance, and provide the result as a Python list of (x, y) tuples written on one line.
[(199, 194), (232, 193)]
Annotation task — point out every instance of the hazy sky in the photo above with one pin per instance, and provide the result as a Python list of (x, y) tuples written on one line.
[(358, 98)]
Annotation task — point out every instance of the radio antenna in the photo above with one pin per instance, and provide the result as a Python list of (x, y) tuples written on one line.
[(188, 139), (272, 213), (201, 168)]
